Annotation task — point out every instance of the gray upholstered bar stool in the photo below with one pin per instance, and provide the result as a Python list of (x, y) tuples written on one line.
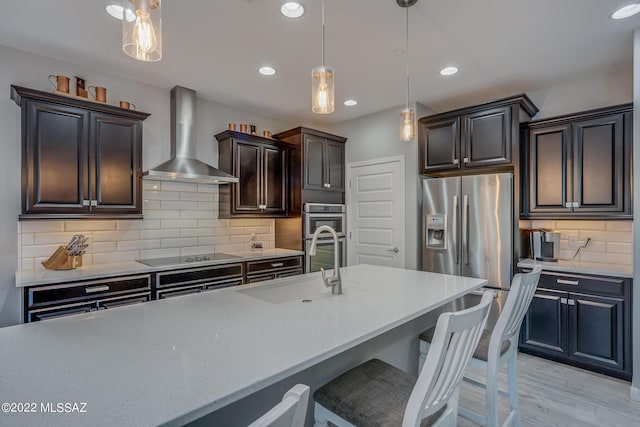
[(376, 394), (497, 346), (290, 412)]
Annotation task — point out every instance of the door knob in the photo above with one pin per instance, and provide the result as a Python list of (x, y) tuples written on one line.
[(396, 250)]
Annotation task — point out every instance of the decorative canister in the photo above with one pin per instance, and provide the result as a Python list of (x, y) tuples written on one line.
[(243, 128)]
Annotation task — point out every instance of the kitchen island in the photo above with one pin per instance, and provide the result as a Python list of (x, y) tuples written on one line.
[(174, 361)]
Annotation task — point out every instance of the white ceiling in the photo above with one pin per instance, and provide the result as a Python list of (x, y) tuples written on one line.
[(502, 47)]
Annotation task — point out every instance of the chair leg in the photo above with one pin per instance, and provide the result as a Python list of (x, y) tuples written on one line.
[(424, 350), (512, 374), (492, 396)]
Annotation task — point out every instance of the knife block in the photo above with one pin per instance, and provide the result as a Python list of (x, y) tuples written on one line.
[(61, 261)]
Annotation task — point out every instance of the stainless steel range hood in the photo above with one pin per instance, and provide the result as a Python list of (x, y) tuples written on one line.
[(183, 166)]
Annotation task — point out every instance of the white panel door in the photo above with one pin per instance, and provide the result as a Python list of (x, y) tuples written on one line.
[(375, 212)]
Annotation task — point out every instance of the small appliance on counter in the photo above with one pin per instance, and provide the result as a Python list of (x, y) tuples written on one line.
[(545, 245)]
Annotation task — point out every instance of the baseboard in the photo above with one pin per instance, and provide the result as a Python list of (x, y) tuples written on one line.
[(634, 393)]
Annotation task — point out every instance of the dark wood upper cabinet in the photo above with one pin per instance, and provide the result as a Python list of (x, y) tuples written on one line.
[(473, 137), (80, 159), (580, 165), (261, 167), (317, 167)]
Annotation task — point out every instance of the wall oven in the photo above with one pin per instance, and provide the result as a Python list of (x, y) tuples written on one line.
[(318, 214), (324, 254), (314, 216)]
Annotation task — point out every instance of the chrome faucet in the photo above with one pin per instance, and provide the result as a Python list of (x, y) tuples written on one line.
[(334, 282)]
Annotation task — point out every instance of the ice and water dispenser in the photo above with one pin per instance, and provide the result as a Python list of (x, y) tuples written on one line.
[(436, 231)]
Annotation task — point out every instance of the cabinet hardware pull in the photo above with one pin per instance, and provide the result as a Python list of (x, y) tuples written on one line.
[(262, 206), (97, 289), (575, 204), (567, 282), (571, 302), (568, 204), (86, 202), (94, 203), (396, 250), (328, 185), (563, 301), (456, 161), (277, 264), (466, 160)]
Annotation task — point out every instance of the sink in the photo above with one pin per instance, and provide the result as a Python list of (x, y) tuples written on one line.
[(290, 289)]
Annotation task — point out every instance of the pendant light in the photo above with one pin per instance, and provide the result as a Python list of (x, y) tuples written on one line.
[(322, 89), (407, 115), (142, 33)]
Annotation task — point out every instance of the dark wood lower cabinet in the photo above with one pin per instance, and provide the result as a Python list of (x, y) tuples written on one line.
[(581, 320)]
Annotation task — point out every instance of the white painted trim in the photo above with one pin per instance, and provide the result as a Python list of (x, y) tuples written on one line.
[(634, 393), (348, 198)]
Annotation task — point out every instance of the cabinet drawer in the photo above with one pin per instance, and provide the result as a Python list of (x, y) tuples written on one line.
[(274, 264), (81, 291), (123, 301), (198, 275), (581, 283), (60, 311)]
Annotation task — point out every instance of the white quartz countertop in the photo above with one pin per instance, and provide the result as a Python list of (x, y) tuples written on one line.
[(97, 271), (581, 267), (171, 361)]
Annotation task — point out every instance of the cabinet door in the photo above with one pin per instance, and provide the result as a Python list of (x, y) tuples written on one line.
[(55, 159), (596, 330), (440, 145), (314, 163), (549, 166), (598, 178), (247, 168), (487, 138), (335, 166), (116, 153), (544, 329), (274, 188)]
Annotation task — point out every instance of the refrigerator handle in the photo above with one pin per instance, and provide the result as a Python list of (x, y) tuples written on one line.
[(465, 229), (455, 228)]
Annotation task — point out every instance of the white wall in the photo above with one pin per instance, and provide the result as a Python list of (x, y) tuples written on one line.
[(377, 136), (24, 69)]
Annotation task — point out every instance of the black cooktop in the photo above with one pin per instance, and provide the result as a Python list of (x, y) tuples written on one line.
[(187, 259)]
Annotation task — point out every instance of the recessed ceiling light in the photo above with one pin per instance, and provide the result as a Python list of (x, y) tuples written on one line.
[(448, 71), (350, 102), (292, 9), (115, 10), (267, 71), (626, 11)]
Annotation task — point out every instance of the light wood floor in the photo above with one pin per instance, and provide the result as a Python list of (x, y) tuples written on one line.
[(553, 394)]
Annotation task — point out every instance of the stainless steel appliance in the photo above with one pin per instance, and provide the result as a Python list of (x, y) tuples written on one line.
[(319, 214), (314, 216), (545, 245), (468, 227)]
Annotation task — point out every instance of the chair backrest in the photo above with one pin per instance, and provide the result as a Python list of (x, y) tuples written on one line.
[(290, 412), (455, 339), (523, 287)]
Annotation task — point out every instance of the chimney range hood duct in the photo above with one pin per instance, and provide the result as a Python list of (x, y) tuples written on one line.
[(183, 166)]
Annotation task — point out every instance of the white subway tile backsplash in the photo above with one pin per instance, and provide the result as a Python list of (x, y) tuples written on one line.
[(179, 218), (198, 214), (179, 223), (580, 225), (179, 243), (620, 226), (41, 226), (134, 245), (196, 232), (160, 233), (115, 236), (620, 248), (607, 236), (197, 197), (546, 224), (179, 205), (88, 226), (162, 214), (607, 258)]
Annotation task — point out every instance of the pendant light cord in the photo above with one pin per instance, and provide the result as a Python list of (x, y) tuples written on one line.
[(407, 59), (322, 33)]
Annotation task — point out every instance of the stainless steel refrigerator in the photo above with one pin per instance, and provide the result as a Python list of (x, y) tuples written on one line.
[(467, 226)]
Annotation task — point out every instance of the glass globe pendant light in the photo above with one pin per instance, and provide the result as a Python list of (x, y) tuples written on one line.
[(407, 115), (323, 87), (142, 30)]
